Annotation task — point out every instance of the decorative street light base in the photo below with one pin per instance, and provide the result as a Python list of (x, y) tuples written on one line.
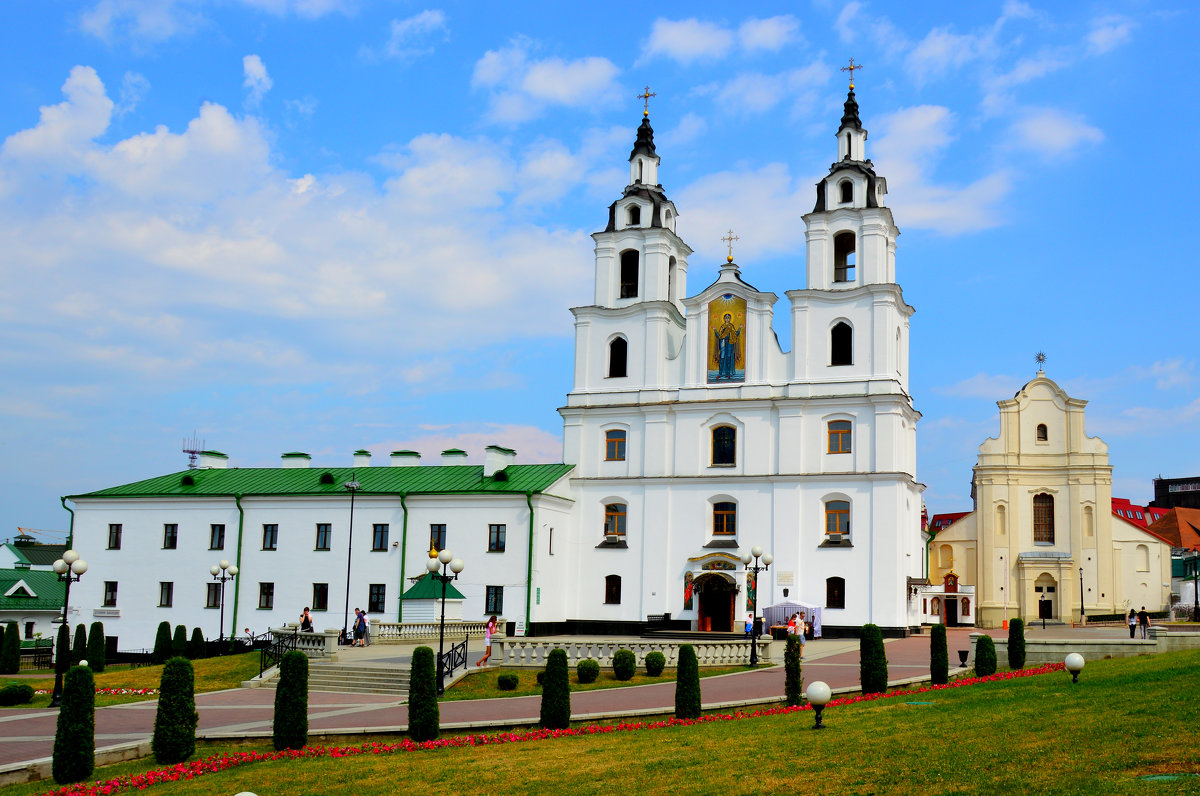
[(817, 710)]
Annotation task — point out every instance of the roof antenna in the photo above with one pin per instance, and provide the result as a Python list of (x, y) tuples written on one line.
[(193, 448)]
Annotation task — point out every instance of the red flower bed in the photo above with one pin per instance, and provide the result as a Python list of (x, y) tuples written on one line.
[(115, 691), (210, 765)]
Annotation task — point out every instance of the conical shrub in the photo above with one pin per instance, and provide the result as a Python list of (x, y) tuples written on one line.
[(985, 657), (95, 647), (687, 684), (175, 722), (197, 647), (162, 644), (1016, 644), (179, 642), (291, 702), (872, 662), (10, 652), (939, 656), (79, 650), (556, 692), (62, 650), (75, 738), (424, 718), (792, 680)]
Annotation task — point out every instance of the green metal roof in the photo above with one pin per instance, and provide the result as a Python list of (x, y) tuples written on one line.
[(46, 585), (430, 589), (38, 555), (462, 479)]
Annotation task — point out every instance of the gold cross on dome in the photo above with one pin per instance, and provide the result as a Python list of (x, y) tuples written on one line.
[(645, 96), (729, 239), (851, 69)]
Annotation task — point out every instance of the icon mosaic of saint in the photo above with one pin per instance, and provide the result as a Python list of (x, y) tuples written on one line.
[(727, 339)]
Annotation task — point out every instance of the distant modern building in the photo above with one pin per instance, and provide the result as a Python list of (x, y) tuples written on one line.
[(1142, 516), (1170, 493)]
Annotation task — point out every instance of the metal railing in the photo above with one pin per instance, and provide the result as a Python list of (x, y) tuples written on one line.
[(454, 657), (273, 653)]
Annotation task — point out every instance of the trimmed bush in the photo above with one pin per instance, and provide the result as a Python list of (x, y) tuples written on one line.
[(1016, 644), (587, 670), (939, 656), (556, 692), (655, 663), (291, 702), (10, 652), (175, 722), (872, 662), (75, 737), (792, 682), (162, 644), (179, 642), (985, 657), (624, 665), (79, 649), (507, 682), (541, 677), (95, 647), (62, 650), (16, 694), (197, 648), (687, 684), (424, 718)]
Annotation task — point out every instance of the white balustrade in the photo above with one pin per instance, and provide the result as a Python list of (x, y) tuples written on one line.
[(533, 652), (402, 632)]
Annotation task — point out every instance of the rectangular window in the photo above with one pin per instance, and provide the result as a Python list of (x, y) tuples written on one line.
[(270, 537), (266, 596), (166, 594), (614, 519), (837, 517), (110, 593), (839, 436), (170, 536), (494, 601), (29, 630), (379, 537), (216, 537), (320, 600), (375, 598), (1043, 519), (614, 446), (496, 538), (612, 590), (114, 537), (437, 537), (724, 519), (324, 535), (213, 600)]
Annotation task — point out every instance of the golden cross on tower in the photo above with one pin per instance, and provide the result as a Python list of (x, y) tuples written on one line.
[(729, 239), (851, 69), (645, 96)]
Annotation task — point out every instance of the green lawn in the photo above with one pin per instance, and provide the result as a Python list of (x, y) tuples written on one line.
[(1125, 719), (482, 685)]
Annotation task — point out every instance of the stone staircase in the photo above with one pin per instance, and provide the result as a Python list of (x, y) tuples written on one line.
[(357, 679)]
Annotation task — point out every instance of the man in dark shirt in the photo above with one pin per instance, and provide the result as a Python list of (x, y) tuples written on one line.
[(1144, 622)]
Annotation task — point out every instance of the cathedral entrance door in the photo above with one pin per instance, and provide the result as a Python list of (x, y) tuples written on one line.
[(717, 597), (951, 612)]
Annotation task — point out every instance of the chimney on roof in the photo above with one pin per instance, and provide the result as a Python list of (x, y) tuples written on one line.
[(496, 458), (362, 458), (295, 459), (212, 460), (453, 456), (405, 458)]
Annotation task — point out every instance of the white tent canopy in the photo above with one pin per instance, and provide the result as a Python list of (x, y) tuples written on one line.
[(779, 613)]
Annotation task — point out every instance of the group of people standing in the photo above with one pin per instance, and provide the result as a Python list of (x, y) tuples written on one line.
[(1139, 619), (798, 626)]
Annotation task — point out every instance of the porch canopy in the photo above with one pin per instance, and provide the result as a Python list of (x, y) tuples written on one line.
[(780, 613)]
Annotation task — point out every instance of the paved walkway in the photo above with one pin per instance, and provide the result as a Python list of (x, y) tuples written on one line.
[(27, 735)]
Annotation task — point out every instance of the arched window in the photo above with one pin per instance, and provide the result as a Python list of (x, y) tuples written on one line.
[(617, 351), (1043, 519), (629, 274), (1001, 520), (837, 517), (847, 191), (945, 556), (635, 215), (614, 519), (841, 345), (1041, 432), (614, 445), (1143, 558), (843, 257), (671, 279), (612, 590), (839, 436), (724, 519), (966, 606), (1089, 523), (935, 606), (835, 593), (724, 445)]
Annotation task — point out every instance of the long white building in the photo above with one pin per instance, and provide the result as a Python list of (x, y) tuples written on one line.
[(690, 436)]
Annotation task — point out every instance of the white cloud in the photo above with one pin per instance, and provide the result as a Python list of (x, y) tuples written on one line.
[(533, 445), (688, 40), (257, 82), (757, 93), (992, 387), (65, 131), (1148, 420), (1168, 375), (133, 87), (522, 88), (1051, 132), (941, 52), (1109, 32), (309, 9), (768, 34), (305, 106), (690, 128), (409, 38), (140, 21)]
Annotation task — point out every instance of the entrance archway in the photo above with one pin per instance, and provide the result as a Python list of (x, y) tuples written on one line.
[(717, 595), (1045, 592)]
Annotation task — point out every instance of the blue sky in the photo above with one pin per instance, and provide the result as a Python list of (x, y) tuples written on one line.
[(321, 225)]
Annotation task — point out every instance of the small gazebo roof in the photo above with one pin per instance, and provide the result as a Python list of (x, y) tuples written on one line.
[(430, 589)]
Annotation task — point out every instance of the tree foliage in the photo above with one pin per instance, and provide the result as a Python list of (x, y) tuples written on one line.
[(95, 648), (197, 647), (75, 738), (624, 664), (424, 717), (687, 684), (985, 657), (556, 692), (655, 663), (162, 644), (179, 642), (1016, 644), (939, 656), (792, 679), (291, 702), (872, 661), (62, 650), (79, 649), (10, 652), (175, 722)]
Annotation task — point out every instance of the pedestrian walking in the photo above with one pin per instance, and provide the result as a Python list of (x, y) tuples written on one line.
[(1133, 621), (1144, 622), (489, 630)]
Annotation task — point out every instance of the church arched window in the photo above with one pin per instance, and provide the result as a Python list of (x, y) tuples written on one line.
[(841, 344), (1143, 558), (724, 445), (843, 256), (724, 518), (612, 589), (1043, 519), (614, 445), (835, 592), (846, 189), (629, 274), (946, 556), (614, 519), (635, 215), (838, 436), (618, 351), (837, 520), (1042, 434)]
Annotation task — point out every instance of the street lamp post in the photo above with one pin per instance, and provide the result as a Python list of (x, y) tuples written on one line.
[(352, 487), (447, 563), (1003, 595), (223, 573), (754, 555), (1196, 586), (1082, 613), (69, 569)]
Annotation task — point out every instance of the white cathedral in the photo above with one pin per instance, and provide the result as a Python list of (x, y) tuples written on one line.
[(690, 437)]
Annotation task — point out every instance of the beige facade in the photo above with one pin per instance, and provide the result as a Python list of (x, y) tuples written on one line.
[(1043, 527)]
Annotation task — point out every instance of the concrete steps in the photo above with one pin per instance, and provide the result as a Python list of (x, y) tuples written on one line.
[(343, 679)]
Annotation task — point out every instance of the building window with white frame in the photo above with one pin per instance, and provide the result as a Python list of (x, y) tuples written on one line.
[(614, 445), (110, 594), (837, 519), (324, 536), (496, 535), (437, 536), (724, 518), (114, 536), (612, 590), (270, 540), (212, 598), (838, 433), (320, 598), (379, 537), (170, 536), (266, 596), (614, 519), (375, 598), (494, 600), (216, 536), (166, 594), (835, 592)]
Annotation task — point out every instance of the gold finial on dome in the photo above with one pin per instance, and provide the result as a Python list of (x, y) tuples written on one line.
[(645, 96), (433, 551), (851, 69), (729, 239)]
